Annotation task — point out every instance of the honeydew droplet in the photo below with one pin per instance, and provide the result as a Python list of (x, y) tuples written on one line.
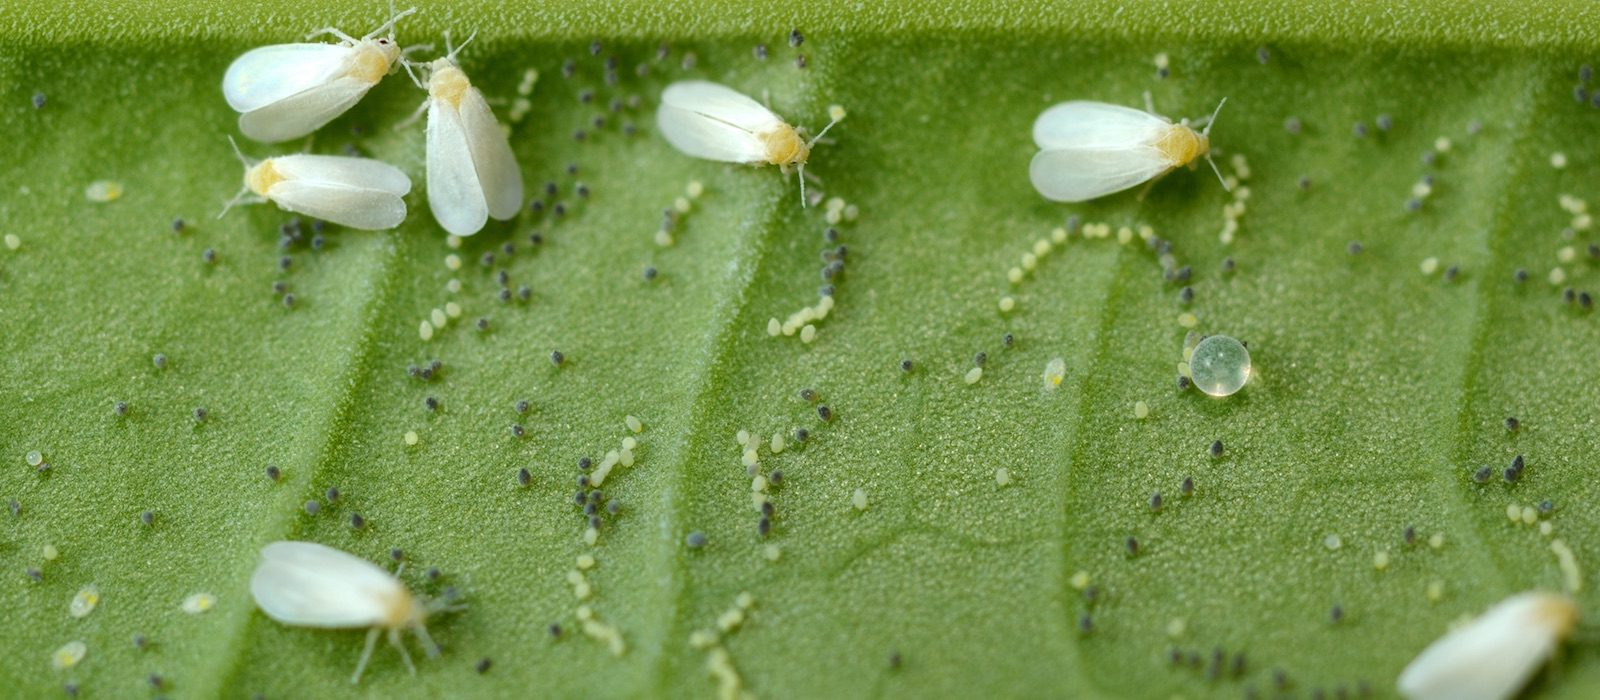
[(1220, 365), (34, 458)]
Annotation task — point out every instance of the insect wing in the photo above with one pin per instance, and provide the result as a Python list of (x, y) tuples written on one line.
[(496, 166), (715, 122), (265, 75), (308, 584)]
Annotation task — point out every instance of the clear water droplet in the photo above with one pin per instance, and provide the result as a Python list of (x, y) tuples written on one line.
[(1220, 365)]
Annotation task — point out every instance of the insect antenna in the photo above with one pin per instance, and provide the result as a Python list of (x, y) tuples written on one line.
[(818, 137), (450, 53), (1211, 120), (389, 25), (243, 189)]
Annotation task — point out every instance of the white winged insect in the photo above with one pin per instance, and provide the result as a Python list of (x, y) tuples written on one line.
[(356, 192), (1091, 149), (1493, 656), (311, 585), (286, 91), (472, 173), (716, 122)]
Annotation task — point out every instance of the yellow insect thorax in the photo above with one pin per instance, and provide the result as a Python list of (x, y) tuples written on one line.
[(448, 83), (373, 59), (404, 611), (784, 146), (1181, 144), (261, 177)]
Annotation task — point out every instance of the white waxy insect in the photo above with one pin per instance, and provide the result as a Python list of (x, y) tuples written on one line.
[(311, 585), (1091, 149), (355, 192), (472, 174), (286, 91), (1493, 656), (716, 122)]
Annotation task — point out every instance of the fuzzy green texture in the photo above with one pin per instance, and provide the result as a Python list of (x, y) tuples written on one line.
[(1378, 390)]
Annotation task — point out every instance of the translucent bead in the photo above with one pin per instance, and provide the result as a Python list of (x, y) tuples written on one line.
[(1220, 365)]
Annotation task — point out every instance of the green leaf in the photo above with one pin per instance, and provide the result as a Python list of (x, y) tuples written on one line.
[(1378, 390)]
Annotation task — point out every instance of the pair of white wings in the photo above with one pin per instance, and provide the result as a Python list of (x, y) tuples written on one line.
[(286, 91), (311, 585), (1092, 149), (1493, 656), (472, 173), (356, 192), (715, 122)]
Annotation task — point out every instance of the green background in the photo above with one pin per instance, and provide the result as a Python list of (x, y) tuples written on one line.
[(1379, 390)]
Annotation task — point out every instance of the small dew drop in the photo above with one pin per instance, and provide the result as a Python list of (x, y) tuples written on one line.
[(1220, 366)]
